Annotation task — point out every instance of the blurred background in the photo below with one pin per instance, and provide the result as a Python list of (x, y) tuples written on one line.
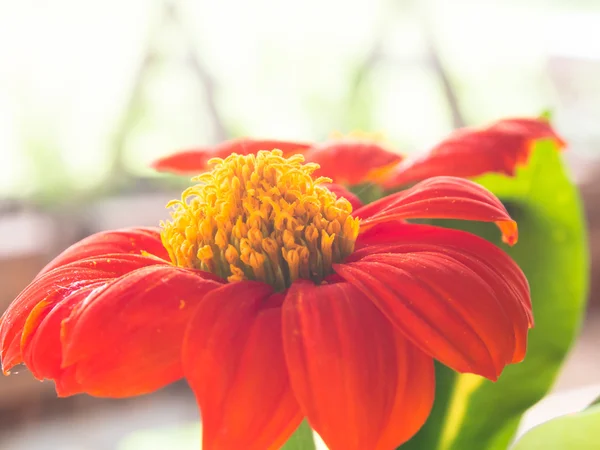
[(91, 92)]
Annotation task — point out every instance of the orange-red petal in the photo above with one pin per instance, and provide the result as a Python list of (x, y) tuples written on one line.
[(454, 295), (360, 384), (392, 237), (126, 339), (51, 288), (415, 394), (233, 360), (470, 152), (349, 161), (195, 161), (441, 198), (127, 240)]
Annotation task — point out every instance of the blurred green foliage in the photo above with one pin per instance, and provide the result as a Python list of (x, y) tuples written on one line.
[(576, 431)]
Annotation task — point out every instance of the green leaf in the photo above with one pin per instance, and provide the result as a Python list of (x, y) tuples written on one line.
[(579, 431), (302, 439), (552, 251), (367, 192), (546, 114)]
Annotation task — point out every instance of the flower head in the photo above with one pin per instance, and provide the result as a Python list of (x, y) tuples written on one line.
[(276, 300), (261, 218)]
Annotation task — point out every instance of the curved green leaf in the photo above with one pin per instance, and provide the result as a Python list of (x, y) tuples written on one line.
[(552, 251), (579, 431)]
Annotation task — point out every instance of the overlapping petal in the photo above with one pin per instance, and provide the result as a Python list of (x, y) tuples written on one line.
[(470, 152), (195, 161), (476, 324), (41, 344), (358, 381), (391, 236), (441, 198), (233, 360), (126, 338), (54, 286), (127, 240), (352, 161)]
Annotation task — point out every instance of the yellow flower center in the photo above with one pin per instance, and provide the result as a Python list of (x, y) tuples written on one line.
[(260, 218)]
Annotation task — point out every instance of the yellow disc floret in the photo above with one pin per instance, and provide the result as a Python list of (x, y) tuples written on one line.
[(260, 218)]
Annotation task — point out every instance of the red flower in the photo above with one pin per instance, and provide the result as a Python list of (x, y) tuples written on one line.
[(277, 302), (470, 152)]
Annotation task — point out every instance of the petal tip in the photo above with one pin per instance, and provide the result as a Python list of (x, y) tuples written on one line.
[(160, 164), (10, 357), (183, 162), (510, 232), (6, 370)]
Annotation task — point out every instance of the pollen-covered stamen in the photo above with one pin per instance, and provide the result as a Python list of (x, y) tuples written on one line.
[(261, 218)]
